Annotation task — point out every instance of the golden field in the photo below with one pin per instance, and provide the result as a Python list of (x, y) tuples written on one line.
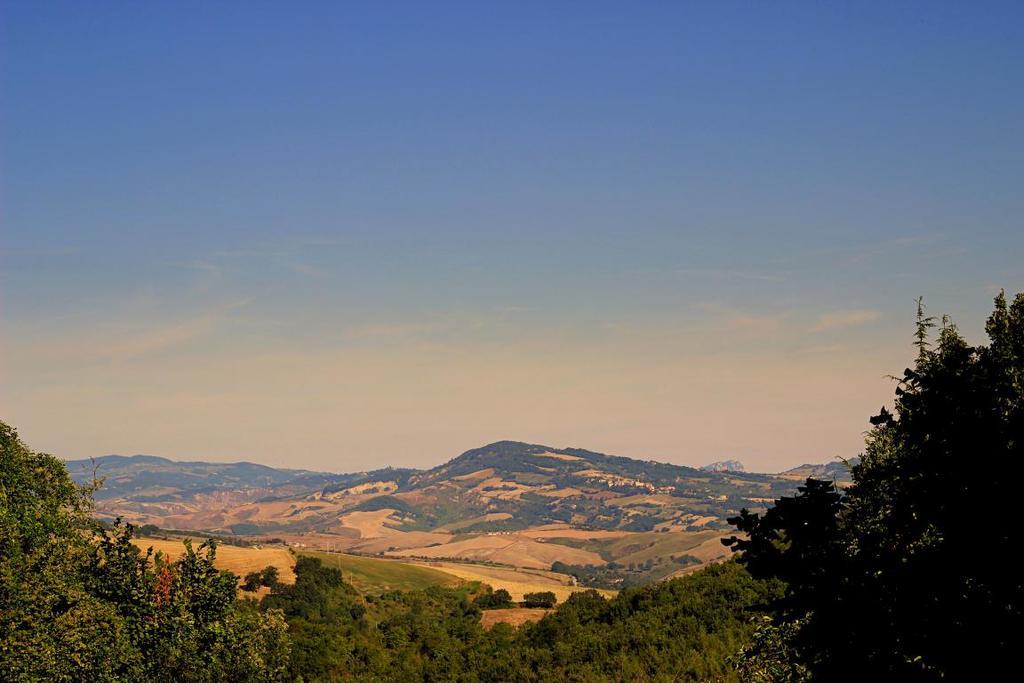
[(232, 558)]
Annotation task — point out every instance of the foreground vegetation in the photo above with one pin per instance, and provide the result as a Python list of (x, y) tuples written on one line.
[(81, 602), (907, 575), (686, 629)]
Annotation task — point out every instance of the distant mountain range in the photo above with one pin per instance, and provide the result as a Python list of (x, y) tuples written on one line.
[(837, 470), (142, 477), (724, 466), (504, 486), (608, 520)]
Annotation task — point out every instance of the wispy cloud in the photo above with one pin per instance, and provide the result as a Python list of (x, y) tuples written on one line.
[(283, 256), (751, 322), (923, 243), (746, 323), (835, 320), (102, 345), (204, 266), (731, 274), (306, 269), (386, 330), (160, 339), (129, 341)]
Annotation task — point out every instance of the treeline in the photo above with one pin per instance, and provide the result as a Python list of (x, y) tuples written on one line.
[(501, 599), (153, 531), (614, 575)]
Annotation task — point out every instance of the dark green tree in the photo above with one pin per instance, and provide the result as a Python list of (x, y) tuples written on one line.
[(544, 599), (252, 582), (269, 576), (498, 599), (909, 574), (51, 626)]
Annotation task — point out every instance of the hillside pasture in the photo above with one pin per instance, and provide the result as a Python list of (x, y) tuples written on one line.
[(705, 545), (232, 558), (400, 540), (553, 531), (514, 617), (373, 524), (512, 549), (371, 575), (516, 581), (462, 524)]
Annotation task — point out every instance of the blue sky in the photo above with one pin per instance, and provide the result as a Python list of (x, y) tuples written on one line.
[(348, 234)]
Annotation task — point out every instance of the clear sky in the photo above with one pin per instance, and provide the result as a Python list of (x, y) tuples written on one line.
[(340, 235)]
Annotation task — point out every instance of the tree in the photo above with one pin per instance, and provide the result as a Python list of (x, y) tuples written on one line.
[(268, 576), (499, 599), (252, 582), (51, 627), (886, 581), (545, 599), (82, 602)]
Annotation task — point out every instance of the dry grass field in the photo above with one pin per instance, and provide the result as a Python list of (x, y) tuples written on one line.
[(566, 531), (516, 581), (559, 456), (400, 540), (489, 517), (371, 524), (710, 550), (640, 547), (514, 617), (514, 549), (235, 559)]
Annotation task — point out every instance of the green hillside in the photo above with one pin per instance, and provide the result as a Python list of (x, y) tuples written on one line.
[(369, 575)]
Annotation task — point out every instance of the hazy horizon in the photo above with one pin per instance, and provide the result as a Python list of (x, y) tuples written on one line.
[(425, 466), (344, 236)]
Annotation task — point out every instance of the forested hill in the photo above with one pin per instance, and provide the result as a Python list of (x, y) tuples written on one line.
[(515, 458), (147, 476)]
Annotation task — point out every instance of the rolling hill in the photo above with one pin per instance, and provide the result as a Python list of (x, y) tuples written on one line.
[(504, 504), (148, 477), (838, 471)]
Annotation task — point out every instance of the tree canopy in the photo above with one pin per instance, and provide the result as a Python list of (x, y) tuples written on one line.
[(909, 573), (686, 629)]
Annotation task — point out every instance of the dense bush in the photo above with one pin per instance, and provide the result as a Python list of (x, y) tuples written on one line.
[(81, 602)]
